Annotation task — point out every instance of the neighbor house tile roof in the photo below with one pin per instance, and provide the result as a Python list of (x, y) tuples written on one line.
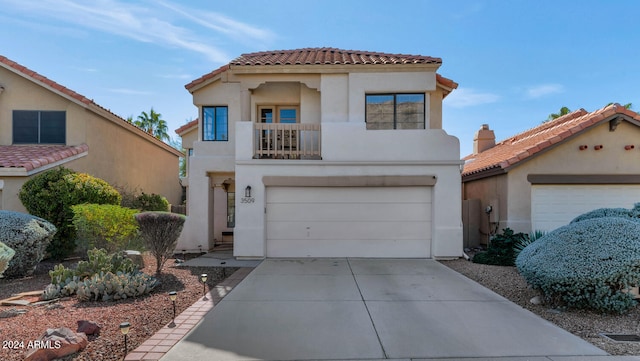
[(31, 157), (525, 145), (187, 126), (321, 56)]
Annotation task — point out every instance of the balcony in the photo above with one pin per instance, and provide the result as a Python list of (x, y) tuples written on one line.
[(286, 141)]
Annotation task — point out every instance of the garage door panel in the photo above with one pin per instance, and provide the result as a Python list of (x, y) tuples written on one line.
[(554, 206), (348, 195), (348, 230), (348, 212), (348, 221)]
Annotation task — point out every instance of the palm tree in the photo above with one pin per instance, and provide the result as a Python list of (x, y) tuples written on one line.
[(153, 124), (563, 111)]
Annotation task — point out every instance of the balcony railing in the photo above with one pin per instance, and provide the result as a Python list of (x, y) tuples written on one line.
[(286, 141)]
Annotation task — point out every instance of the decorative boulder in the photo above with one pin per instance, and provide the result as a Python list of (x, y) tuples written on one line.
[(592, 263), (56, 343), (88, 327), (29, 237), (136, 257), (6, 253)]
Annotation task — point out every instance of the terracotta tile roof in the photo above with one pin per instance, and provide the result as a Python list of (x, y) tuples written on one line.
[(31, 157), (511, 151), (41, 78), (318, 56), (187, 126)]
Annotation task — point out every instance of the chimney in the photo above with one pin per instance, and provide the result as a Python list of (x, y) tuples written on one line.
[(484, 139)]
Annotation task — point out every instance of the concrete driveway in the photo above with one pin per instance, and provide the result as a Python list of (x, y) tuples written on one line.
[(338, 309)]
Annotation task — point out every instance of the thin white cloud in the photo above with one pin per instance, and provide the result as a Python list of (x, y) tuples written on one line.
[(157, 23), (175, 76), (129, 91), (466, 97), (539, 91)]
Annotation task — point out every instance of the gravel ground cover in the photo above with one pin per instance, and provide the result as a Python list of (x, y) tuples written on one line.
[(146, 314), (588, 325)]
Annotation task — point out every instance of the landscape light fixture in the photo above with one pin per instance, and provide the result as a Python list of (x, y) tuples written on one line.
[(172, 296), (124, 329), (247, 192), (203, 278)]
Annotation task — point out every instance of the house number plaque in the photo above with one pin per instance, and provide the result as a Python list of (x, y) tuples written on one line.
[(247, 200)]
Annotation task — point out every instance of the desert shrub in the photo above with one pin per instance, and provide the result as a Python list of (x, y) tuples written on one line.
[(501, 249), (587, 264), (51, 194), (107, 226), (29, 237), (6, 253), (151, 202), (632, 214), (103, 277), (160, 232)]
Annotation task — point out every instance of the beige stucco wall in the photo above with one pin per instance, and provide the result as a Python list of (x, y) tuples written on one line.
[(565, 158), (492, 192), (119, 153)]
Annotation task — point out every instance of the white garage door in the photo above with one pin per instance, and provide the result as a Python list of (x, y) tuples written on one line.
[(349, 222), (553, 206)]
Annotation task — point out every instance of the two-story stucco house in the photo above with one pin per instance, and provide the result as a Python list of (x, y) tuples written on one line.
[(323, 152), (44, 124)]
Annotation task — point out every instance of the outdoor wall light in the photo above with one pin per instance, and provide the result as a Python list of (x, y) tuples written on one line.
[(172, 296), (203, 278), (124, 329), (247, 192)]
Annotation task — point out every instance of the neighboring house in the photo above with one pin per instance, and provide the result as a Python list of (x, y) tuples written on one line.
[(544, 177), (323, 152), (44, 125)]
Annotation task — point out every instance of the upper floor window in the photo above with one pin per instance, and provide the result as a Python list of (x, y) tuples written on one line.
[(395, 111), (39, 127), (215, 123)]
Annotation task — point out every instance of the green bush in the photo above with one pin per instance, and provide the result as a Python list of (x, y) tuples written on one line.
[(151, 202), (523, 242), (6, 254), (51, 194), (501, 249), (107, 226), (103, 277), (29, 237), (630, 214), (160, 232), (586, 264)]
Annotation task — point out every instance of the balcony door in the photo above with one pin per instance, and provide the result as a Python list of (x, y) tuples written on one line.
[(279, 114)]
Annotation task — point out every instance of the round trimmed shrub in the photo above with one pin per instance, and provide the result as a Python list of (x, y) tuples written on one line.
[(630, 214), (51, 194), (29, 237), (587, 264)]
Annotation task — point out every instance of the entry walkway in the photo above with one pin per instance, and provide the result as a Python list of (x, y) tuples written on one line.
[(370, 309)]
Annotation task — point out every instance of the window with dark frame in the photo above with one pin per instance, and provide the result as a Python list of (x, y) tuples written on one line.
[(395, 111), (215, 123), (39, 127)]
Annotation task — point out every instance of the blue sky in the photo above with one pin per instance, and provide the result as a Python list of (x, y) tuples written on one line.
[(516, 61)]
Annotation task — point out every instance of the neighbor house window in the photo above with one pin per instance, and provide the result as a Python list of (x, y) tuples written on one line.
[(39, 127), (215, 123), (395, 111)]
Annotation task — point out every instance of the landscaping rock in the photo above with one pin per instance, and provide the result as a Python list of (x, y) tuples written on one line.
[(56, 343), (536, 300), (12, 312), (88, 327)]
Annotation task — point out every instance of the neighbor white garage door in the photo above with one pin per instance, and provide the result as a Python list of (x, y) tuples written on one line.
[(348, 221), (553, 206)]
